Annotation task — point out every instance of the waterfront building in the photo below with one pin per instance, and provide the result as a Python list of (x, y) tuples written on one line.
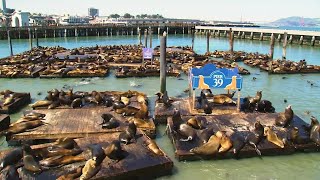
[(20, 19), (73, 20), (42, 20), (93, 12)]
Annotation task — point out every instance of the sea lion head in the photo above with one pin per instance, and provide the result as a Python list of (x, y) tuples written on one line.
[(266, 131), (258, 125), (220, 134), (314, 121), (289, 106)]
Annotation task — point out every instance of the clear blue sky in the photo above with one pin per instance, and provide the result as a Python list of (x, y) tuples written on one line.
[(250, 10)]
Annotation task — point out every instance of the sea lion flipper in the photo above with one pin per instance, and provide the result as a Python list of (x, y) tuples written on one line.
[(186, 140)]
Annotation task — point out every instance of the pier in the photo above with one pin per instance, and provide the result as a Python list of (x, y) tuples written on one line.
[(293, 36)]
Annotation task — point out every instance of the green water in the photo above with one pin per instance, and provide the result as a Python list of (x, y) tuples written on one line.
[(300, 94)]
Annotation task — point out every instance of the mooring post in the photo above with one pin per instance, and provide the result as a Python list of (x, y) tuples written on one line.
[(54, 33), (218, 33), (167, 31), (19, 34), (75, 32), (290, 39), (10, 43), (272, 40), (139, 34), (251, 35), (279, 38), (313, 40), (65, 32), (110, 31), (158, 31), (30, 37), (231, 39), (182, 30), (145, 38), (243, 36), (261, 36), (239, 35), (208, 42), (238, 101), (192, 41), (37, 39), (301, 40), (45, 33), (284, 47), (163, 62), (150, 34)]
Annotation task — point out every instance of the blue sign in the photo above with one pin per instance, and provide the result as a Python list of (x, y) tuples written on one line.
[(209, 76), (147, 53)]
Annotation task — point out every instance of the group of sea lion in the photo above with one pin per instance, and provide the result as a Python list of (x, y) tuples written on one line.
[(238, 55), (255, 104), (8, 97)]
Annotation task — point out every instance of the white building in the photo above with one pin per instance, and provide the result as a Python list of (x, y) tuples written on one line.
[(73, 20), (20, 19)]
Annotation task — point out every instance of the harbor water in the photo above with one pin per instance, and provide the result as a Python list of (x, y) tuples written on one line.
[(296, 89)]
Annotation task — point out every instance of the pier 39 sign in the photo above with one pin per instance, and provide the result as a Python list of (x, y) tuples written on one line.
[(210, 77), (147, 53)]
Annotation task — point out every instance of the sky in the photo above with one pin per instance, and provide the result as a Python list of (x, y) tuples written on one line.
[(232, 10)]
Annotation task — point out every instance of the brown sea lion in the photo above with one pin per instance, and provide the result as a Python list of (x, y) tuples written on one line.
[(154, 147), (256, 99), (176, 119), (222, 99), (51, 152), (61, 160), (114, 150), (125, 100), (143, 112), (29, 162), (11, 158), (195, 122), (141, 99), (254, 137), (208, 149), (6, 92), (238, 142), (140, 123), (295, 137), (33, 115), (118, 105), (228, 94), (10, 173), (225, 142), (54, 105), (90, 169), (41, 103), (129, 133), (272, 137), (66, 143), (21, 127), (315, 131), (8, 100), (72, 174), (98, 152), (186, 131), (127, 111), (284, 118)]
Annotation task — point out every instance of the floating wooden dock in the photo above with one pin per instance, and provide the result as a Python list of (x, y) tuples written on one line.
[(139, 163), (76, 123), (241, 123), (16, 105)]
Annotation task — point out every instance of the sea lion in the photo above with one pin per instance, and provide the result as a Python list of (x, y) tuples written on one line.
[(238, 142), (61, 160), (209, 148), (284, 118), (6, 92), (225, 141), (33, 115), (66, 143), (315, 130), (125, 100), (11, 158), (29, 162), (21, 127), (72, 174), (186, 131), (54, 105), (143, 112), (114, 150), (141, 99), (204, 103), (222, 99), (98, 152), (129, 133), (118, 105), (254, 137), (176, 119), (295, 138), (207, 92), (51, 152), (228, 94), (264, 106), (166, 100), (256, 99), (8, 100), (10, 173), (112, 123), (90, 169), (127, 111), (140, 123), (41, 103), (195, 123), (205, 134), (76, 103), (154, 147), (272, 137)]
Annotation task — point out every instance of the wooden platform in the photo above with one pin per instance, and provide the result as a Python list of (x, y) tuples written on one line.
[(140, 162), (4, 122), (161, 112), (75, 123), (16, 105), (242, 123)]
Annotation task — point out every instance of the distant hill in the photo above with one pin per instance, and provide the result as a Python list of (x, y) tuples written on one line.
[(297, 21)]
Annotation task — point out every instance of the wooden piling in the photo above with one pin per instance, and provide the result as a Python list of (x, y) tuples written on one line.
[(272, 40), (313, 40), (139, 34), (76, 32), (243, 36), (167, 30), (10, 43), (279, 38), (145, 38), (65, 32), (239, 34), (284, 47), (182, 30), (251, 35), (301, 40), (261, 36), (163, 62), (208, 42), (231, 39), (54, 33), (30, 37), (150, 34), (192, 41), (37, 39), (290, 39)]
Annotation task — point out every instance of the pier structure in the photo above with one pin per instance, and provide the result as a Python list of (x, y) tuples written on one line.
[(295, 37), (92, 30)]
